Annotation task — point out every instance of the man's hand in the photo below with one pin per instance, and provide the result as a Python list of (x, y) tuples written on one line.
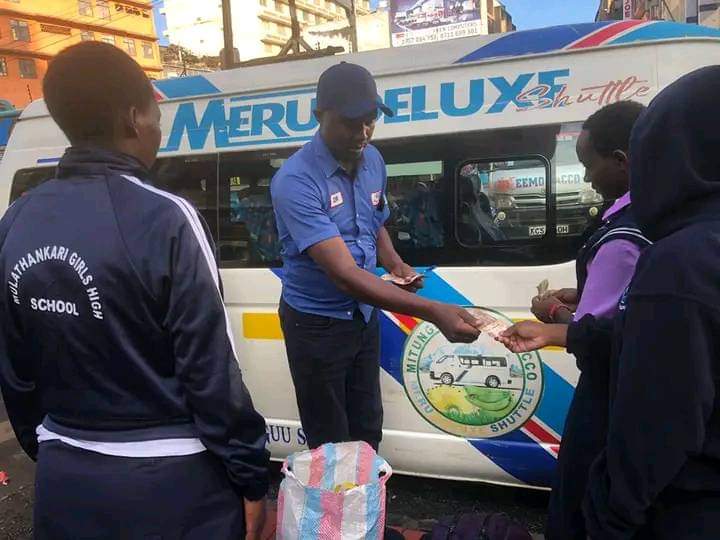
[(406, 272), (456, 324), (529, 336), (255, 514)]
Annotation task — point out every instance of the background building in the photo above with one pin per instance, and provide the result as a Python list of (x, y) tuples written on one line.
[(374, 28), (423, 21), (373, 31), (499, 20), (32, 32), (260, 27), (704, 12)]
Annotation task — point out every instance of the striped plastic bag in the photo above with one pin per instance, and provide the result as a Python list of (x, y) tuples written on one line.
[(335, 492)]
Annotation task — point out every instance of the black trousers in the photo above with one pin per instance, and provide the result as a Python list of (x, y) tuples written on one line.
[(335, 368), (583, 439), (86, 495)]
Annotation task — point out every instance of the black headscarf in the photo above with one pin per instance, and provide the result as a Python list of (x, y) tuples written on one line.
[(675, 156)]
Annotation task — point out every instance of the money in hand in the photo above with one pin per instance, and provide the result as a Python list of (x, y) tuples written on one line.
[(488, 324), (543, 287)]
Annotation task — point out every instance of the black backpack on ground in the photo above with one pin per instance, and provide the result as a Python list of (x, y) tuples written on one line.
[(491, 526)]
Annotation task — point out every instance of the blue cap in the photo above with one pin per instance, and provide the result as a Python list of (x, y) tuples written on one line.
[(350, 90)]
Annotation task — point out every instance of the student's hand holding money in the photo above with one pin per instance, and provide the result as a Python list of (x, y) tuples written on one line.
[(529, 336), (551, 306)]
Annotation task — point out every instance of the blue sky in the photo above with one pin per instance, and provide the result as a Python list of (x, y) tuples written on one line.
[(536, 13), (528, 14)]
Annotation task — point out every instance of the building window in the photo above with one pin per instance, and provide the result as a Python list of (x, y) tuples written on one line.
[(130, 46), (148, 50), (108, 39), (85, 8), (3, 67), (27, 69), (20, 30), (103, 10), (87, 36)]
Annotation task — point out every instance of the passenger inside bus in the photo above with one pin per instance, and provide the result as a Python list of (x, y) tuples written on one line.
[(413, 194), (253, 207), (476, 223)]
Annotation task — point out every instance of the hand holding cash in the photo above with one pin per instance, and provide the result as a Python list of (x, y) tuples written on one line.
[(488, 324)]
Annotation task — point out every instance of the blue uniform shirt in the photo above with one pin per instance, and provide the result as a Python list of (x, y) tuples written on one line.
[(315, 200)]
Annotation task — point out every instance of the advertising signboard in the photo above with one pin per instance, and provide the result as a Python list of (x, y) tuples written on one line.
[(628, 9), (424, 21)]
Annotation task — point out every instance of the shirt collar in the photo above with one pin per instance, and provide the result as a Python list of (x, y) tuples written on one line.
[(327, 161), (619, 204)]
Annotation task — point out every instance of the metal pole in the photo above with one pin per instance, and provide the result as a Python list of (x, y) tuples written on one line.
[(229, 47), (352, 19)]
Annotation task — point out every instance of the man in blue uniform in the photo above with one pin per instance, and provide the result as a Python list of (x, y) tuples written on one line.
[(116, 353), (330, 205)]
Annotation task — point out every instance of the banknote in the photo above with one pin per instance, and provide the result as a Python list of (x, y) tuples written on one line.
[(488, 324), (398, 280), (543, 287), (408, 280)]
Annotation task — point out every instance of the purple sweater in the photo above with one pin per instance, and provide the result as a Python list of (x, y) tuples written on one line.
[(609, 273)]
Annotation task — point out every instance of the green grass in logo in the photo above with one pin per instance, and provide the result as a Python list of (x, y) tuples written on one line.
[(489, 405)]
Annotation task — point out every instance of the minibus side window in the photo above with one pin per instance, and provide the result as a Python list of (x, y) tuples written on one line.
[(414, 197), (27, 179), (193, 178), (248, 234)]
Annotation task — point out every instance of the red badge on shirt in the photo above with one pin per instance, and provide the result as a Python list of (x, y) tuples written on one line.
[(375, 197)]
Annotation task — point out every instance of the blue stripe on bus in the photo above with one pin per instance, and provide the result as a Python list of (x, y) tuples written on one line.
[(49, 160), (557, 395), (666, 30), (520, 456), (533, 41), (186, 87)]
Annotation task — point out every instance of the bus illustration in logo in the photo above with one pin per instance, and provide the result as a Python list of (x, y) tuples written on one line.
[(490, 371), (477, 390)]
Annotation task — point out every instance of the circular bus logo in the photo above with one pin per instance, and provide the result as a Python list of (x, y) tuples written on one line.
[(480, 390)]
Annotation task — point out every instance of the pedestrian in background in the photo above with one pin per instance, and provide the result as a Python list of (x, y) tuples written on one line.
[(605, 265), (117, 363), (330, 205)]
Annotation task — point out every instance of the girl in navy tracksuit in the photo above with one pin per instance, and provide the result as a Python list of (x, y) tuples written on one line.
[(117, 364)]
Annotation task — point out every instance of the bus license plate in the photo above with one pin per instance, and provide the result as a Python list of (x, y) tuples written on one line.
[(539, 230)]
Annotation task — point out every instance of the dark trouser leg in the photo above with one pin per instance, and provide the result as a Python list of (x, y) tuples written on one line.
[(86, 495), (321, 352), (364, 401), (583, 439)]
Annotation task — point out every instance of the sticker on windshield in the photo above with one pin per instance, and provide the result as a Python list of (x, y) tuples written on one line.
[(477, 390)]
